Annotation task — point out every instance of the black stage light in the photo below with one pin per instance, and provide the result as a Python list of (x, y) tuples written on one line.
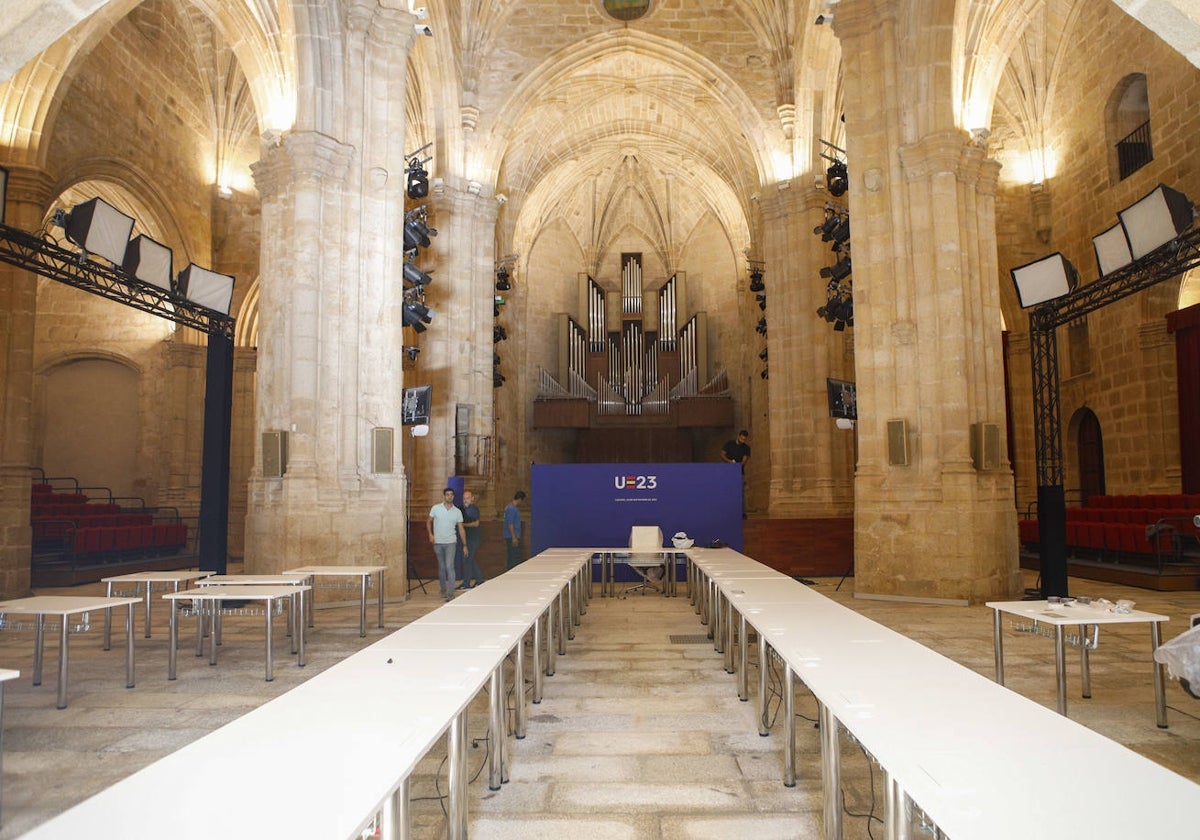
[(756, 281), (838, 271), (497, 378), (499, 334), (764, 374), (418, 180), (415, 276), (416, 234), (837, 179), (762, 301), (502, 284), (417, 315), (763, 354), (412, 353)]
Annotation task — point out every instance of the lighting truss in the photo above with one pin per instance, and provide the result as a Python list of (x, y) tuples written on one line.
[(47, 259)]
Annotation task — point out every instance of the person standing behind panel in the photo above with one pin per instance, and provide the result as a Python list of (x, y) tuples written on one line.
[(512, 529), (445, 526), (472, 574), (737, 451)]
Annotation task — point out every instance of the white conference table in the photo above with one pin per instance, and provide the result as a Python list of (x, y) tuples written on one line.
[(65, 606), (981, 761), (214, 594), (174, 578), (1062, 614), (6, 674), (364, 573)]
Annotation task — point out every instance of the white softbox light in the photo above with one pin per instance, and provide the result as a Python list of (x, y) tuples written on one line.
[(1046, 279), (101, 229), (1156, 220), (149, 261), (1112, 250), (206, 288)]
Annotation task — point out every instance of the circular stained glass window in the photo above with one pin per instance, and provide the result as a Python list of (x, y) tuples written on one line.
[(626, 9)]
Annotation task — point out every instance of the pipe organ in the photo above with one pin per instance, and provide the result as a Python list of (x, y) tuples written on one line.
[(629, 369)]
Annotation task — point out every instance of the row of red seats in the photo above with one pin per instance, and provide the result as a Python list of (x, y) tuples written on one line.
[(70, 510), (1180, 518), (1166, 501), (129, 538), (104, 520), (1113, 538)]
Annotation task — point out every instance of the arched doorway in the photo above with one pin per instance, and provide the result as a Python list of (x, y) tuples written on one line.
[(1089, 449)]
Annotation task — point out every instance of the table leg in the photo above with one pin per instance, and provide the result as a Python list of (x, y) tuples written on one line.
[(831, 773), (572, 610), (522, 711), (39, 645), (173, 638), (270, 654), (129, 644), (201, 608), (743, 678), (496, 713), (1160, 695), (762, 685), (456, 827), (149, 600), (998, 646), (108, 593), (789, 727), (537, 659), (362, 607), (395, 820), (1085, 673), (895, 808), (1060, 668), (564, 623), (64, 656), (379, 597), (300, 627), (214, 630)]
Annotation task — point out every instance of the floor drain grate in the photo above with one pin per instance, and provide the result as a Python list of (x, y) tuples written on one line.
[(690, 639)]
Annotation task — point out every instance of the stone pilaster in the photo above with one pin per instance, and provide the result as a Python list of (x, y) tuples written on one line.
[(330, 333), (811, 461), (927, 322), (29, 192)]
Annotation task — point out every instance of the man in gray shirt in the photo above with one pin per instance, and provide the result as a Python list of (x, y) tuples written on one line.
[(445, 527)]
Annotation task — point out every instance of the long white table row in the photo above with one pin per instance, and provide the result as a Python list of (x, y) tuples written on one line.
[(324, 759), (979, 760)]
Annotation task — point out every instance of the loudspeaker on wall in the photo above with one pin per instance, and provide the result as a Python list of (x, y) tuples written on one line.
[(274, 453), (382, 449), (897, 443), (985, 446)]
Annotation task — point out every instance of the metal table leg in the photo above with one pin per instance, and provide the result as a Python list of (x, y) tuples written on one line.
[(998, 646), (39, 645), (456, 827), (362, 607), (743, 678), (395, 820), (379, 597), (496, 712), (762, 685), (64, 656), (831, 773), (270, 653), (789, 727), (172, 638), (522, 711), (1060, 668), (129, 646), (1085, 673), (537, 659), (1160, 696)]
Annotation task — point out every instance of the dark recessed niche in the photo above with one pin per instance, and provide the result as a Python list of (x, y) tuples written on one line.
[(626, 9)]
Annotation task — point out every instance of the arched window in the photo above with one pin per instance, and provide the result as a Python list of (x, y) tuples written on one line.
[(1127, 124)]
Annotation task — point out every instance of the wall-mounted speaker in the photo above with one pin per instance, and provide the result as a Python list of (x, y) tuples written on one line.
[(897, 443), (382, 449), (985, 446), (274, 453)]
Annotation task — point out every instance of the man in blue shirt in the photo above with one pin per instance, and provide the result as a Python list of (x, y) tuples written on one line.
[(512, 529), (445, 527), (472, 574)]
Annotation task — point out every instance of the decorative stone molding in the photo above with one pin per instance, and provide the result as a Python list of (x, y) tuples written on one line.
[(307, 157), (1153, 334), (787, 119), (29, 185)]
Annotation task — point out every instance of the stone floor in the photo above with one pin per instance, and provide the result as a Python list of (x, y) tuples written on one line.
[(640, 734)]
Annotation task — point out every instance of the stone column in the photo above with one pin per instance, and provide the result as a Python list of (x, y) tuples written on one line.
[(456, 355), (29, 193), (927, 322), (812, 461), (243, 443), (330, 334)]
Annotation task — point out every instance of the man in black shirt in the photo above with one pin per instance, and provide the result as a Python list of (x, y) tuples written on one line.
[(737, 451)]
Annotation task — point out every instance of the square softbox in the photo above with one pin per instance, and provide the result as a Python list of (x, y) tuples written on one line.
[(1046, 279), (206, 288), (149, 261), (1112, 250), (101, 229), (1156, 220)]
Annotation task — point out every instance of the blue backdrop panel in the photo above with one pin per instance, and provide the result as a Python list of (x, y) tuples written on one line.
[(596, 504)]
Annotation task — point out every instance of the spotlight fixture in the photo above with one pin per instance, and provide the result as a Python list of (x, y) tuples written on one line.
[(756, 281), (826, 17), (415, 276), (761, 326), (502, 284), (764, 374), (837, 179), (763, 354), (416, 231), (837, 272), (417, 315), (418, 177), (499, 334), (412, 353), (762, 301)]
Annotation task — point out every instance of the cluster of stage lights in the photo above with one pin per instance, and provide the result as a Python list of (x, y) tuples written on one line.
[(417, 232), (839, 288), (499, 333), (759, 288)]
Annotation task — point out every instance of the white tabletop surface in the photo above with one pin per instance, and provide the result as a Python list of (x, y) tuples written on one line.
[(443, 637), (336, 570), (157, 577), (234, 592), (63, 604), (7, 674), (1073, 612), (251, 580)]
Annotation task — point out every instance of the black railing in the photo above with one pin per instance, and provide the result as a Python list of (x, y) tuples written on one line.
[(1135, 150)]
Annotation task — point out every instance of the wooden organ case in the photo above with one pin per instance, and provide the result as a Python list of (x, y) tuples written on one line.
[(636, 385)]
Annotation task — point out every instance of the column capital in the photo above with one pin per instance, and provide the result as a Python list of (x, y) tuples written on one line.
[(860, 18), (787, 198), (29, 185), (950, 152), (305, 157)]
